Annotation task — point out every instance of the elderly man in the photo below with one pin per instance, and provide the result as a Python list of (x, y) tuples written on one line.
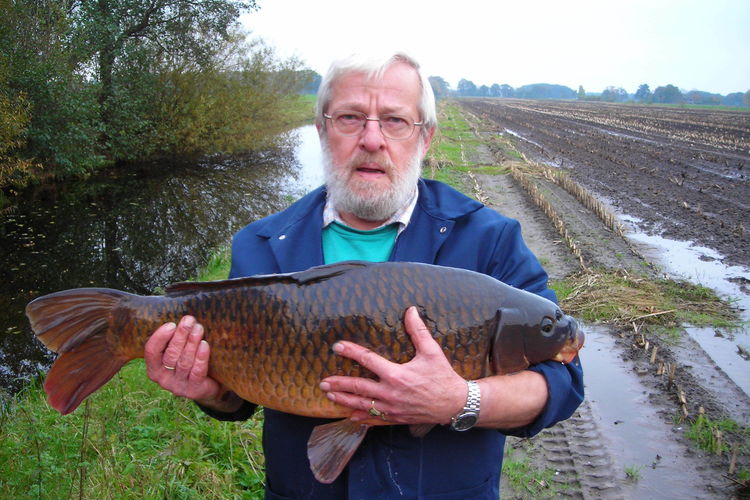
[(376, 121)]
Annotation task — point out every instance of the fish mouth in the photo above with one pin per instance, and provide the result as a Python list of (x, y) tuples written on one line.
[(574, 343)]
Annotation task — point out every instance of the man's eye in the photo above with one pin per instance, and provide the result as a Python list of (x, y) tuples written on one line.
[(394, 121), (349, 118)]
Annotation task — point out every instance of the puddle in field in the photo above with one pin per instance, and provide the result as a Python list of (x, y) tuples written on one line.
[(636, 436), (703, 266)]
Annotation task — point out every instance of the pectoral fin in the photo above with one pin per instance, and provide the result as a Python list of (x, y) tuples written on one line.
[(508, 351), (331, 446)]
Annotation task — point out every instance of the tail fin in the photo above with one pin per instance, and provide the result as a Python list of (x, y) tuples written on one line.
[(74, 323)]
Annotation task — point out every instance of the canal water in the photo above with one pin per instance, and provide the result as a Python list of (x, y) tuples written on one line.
[(136, 229)]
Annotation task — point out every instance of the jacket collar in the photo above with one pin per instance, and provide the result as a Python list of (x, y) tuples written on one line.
[(294, 234)]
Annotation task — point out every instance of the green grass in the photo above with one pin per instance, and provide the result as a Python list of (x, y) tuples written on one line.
[(130, 439), (527, 481), (449, 158), (217, 267)]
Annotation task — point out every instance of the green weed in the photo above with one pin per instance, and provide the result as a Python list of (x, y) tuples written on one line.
[(633, 472), (714, 436)]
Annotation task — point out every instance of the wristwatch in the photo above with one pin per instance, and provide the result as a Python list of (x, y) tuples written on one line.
[(467, 418)]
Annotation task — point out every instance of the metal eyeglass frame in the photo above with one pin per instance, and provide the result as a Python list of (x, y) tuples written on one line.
[(380, 124)]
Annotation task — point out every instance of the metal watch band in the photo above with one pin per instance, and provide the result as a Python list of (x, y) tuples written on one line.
[(474, 398), (468, 417)]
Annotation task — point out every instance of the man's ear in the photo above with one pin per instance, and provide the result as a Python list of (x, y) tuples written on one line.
[(428, 140)]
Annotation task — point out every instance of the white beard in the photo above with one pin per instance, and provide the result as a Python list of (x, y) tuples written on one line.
[(366, 200)]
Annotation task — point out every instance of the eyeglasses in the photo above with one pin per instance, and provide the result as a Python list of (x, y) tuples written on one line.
[(394, 127)]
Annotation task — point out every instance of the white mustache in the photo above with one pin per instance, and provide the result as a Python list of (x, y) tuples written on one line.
[(363, 158)]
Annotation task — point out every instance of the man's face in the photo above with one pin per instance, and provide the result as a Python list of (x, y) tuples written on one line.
[(368, 175)]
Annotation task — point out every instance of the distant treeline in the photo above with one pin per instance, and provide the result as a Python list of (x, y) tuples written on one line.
[(88, 84), (668, 94)]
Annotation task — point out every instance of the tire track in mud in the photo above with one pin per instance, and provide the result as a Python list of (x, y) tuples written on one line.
[(573, 448), (583, 468)]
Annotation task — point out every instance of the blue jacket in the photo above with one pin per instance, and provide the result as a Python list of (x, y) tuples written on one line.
[(449, 229)]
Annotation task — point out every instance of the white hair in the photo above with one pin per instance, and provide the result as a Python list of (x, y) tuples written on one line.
[(374, 68)]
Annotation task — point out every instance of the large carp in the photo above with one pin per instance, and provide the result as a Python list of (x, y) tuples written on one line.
[(271, 335)]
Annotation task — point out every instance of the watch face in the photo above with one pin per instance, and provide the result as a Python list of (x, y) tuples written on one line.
[(464, 422)]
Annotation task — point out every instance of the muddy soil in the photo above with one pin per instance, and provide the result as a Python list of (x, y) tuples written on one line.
[(685, 173), (633, 418)]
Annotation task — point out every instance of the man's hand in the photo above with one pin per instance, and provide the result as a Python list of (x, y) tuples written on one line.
[(424, 390), (177, 359)]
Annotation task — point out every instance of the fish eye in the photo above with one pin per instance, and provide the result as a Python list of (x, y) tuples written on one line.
[(546, 325)]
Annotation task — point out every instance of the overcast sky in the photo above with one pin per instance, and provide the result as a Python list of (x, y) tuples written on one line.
[(693, 44)]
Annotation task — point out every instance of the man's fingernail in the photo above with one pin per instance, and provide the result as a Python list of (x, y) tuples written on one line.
[(331, 396), (355, 418), (170, 326), (337, 347), (325, 386)]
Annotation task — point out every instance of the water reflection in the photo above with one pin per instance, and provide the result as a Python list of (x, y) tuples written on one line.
[(704, 266), (135, 230)]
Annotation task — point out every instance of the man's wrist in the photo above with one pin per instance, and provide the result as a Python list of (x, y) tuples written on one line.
[(469, 415)]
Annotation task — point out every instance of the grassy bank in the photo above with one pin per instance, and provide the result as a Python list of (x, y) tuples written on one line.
[(130, 439)]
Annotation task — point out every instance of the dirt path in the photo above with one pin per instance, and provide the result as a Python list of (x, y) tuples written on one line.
[(628, 423)]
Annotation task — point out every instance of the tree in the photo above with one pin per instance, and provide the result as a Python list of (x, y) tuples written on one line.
[(746, 98), (311, 80), (86, 83), (643, 94), (614, 94), (668, 94), (545, 91), (483, 91), (581, 92), (466, 88), (701, 97), (495, 90), (44, 66), (440, 87), (733, 99), (124, 37), (506, 90)]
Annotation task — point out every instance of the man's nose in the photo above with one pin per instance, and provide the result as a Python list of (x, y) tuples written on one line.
[(372, 138)]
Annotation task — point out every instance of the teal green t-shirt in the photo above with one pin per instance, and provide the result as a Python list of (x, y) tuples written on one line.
[(342, 242)]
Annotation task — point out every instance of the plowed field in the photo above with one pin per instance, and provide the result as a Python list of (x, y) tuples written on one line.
[(685, 173)]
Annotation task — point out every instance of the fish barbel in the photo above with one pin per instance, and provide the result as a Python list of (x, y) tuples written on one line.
[(271, 336)]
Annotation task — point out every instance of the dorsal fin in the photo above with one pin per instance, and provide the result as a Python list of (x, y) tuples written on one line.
[(314, 274), (320, 273)]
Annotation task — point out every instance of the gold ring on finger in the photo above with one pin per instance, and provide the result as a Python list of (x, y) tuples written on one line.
[(374, 411)]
